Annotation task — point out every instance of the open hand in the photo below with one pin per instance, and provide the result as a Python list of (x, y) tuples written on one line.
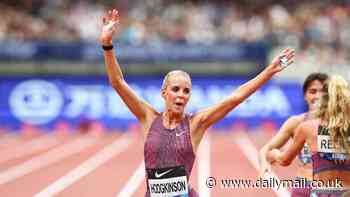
[(282, 61), (109, 27)]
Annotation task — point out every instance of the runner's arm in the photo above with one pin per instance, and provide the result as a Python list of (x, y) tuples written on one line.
[(277, 141), (285, 158), (140, 108), (204, 119)]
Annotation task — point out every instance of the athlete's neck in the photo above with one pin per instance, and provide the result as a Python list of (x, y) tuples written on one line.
[(171, 120)]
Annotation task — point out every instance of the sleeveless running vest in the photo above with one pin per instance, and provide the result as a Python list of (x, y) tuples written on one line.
[(324, 160), (169, 158)]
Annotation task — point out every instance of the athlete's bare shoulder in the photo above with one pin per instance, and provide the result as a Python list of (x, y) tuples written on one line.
[(310, 124), (295, 120), (292, 123), (300, 117), (308, 127)]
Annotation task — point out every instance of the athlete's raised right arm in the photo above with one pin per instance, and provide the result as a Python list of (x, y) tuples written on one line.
[(140, 108), (283, 135)]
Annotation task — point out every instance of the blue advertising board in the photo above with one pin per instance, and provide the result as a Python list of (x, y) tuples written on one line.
[(166, 52), (43, 101)]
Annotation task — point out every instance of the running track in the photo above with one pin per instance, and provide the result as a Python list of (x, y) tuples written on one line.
[(110, 165)]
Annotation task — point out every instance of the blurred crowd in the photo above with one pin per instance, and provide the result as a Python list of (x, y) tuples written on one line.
[(318, 27)]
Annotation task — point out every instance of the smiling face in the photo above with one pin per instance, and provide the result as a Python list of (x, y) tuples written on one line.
[(313, 93), (313, 88), (176, 91)]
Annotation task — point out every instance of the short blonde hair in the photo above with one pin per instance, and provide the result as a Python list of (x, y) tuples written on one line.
[(335, 110), (174, 72)]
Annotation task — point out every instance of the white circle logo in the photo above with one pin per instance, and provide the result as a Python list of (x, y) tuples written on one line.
[(36, 101)]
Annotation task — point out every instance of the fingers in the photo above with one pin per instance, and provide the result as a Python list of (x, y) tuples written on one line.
[(286, 64), (290, 62), (112, 15), (111, 21), (286, 50), (287, 57), (115, 14), (290, 54), (283, 61)]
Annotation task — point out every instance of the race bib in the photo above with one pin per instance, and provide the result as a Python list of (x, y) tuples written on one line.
[(168, 182), (326, 147)]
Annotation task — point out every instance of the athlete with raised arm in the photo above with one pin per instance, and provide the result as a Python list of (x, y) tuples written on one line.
[(172, 137)]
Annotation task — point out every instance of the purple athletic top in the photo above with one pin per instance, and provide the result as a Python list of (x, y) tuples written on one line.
[(166, 148), (322, 161), (321, 164), (325, 161)]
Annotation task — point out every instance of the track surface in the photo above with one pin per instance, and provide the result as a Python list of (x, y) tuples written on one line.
[(111, 165)]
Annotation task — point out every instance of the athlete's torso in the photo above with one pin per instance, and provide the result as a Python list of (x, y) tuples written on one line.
[(324, 159), (168, 156)]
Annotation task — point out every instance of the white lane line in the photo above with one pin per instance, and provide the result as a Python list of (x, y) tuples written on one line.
[(134, 182), (203, 166), (86, 167), (46, 159), (249, 150), (28, 148)]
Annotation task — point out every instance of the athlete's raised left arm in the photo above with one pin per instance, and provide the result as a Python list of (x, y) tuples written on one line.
[(285, 158), (204, 119)]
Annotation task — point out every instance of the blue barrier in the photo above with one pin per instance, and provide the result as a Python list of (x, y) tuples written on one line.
[(44, 101), (166, 52)]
